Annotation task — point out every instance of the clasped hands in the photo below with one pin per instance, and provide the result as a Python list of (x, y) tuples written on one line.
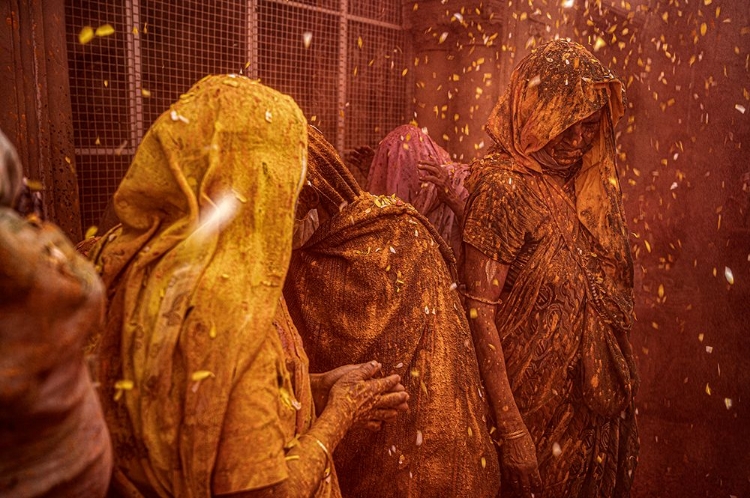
[(370, 401)]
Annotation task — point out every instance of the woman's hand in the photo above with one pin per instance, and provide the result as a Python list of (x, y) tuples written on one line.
[(442, 178), (519, 466), (353, 397), (361, 158), (438, 176), (386, 409), (322, 383), (368, 401)]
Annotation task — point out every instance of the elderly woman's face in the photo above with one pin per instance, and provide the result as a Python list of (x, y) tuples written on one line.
[(569, 146)]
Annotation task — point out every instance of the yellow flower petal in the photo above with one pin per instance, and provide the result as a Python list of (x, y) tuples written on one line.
[(105, 30), (86, 35), (201, 375)]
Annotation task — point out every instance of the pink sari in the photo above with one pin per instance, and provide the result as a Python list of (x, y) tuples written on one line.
[(395, 170)]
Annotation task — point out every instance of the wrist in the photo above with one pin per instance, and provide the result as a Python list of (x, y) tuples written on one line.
[(341, 410), (508, 425), (319, 393), (510, 436)]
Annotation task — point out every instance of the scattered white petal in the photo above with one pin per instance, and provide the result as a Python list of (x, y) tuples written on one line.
[(729, 275)]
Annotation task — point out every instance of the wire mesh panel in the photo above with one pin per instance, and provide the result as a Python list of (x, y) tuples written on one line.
[(377, 83), (387, 11), (184, 40), (298, 53), (343, 62), (100, 98)]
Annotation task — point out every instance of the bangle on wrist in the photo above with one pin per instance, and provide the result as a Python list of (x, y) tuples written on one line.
[(514, 435), (479, 299), (329, 461)]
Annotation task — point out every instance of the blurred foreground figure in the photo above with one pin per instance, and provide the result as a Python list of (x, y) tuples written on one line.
[(53, 440), (411, 165), (376, 281), (549, 279), (204, 382)]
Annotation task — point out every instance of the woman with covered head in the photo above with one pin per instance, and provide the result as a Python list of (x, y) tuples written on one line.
[(204, 382), (53, 439), (376, 280), (549, 280), (411, 165)]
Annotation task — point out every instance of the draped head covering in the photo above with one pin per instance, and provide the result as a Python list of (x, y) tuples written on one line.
[(554, 87), (566, 314), (11, 173), (376, 281), (207, 207), (395, 170), (328, 175)]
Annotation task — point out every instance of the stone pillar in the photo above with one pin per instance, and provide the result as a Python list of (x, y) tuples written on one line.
[(456, 60), (35, 111)]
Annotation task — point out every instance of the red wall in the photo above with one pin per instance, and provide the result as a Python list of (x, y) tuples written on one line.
[(683, 150)]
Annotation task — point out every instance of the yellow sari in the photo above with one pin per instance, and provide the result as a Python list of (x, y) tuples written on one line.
[(195, 388)]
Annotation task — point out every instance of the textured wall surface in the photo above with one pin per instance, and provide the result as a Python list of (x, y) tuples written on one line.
[(35, 103), (683, 153)]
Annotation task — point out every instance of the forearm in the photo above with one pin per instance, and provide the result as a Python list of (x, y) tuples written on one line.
[(307, 461), (492, 367), (319, 392), (457, 206)]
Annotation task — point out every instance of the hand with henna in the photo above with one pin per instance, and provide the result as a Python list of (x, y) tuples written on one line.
[(350, 396), (383, 407), (360, 158), (520, 470), (442, 178)]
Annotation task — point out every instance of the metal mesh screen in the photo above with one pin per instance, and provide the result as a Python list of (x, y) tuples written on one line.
[(184, 40), (386, 11), (343, 62), (298, 53), (377, 76), (100, 96)]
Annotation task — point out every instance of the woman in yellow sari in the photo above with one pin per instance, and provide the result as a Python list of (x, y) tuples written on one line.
[(549, 280), (196, 355)]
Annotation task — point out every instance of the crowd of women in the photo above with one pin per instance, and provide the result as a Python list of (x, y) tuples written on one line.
[(260, 324)]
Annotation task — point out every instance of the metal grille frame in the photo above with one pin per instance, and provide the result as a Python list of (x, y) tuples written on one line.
[(345, 62)]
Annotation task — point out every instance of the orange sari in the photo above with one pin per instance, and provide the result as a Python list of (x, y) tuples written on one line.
[(53, 439), (567, 305), (377, 282)]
